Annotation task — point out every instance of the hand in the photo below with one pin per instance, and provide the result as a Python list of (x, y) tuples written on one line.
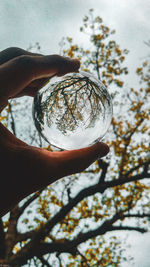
[(25, 169)]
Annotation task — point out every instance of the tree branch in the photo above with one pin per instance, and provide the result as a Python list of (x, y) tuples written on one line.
[(24, 236), (97, 64), (39, 234), (18, 211), (84, 258), (44, 262), (131, 133), (138, 215), (43, 248), (146, 163), (104, 166), (127, 138), (29, 201), (128, 228), (47, 227), (124, 180)]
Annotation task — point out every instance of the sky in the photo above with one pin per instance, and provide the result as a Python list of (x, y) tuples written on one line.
[(25, 22)]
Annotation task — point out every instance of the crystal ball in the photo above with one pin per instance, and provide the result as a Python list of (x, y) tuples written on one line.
[(72, 111)]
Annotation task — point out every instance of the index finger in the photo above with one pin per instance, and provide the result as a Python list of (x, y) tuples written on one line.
[(18, 73), (13, 52)]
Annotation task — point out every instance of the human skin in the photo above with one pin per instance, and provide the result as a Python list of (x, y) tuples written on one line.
[(25, 169)]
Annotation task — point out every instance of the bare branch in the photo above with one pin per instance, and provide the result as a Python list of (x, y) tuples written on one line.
[(44, 262), (104, 166), (136, 215), (128, 228), (124, 180)]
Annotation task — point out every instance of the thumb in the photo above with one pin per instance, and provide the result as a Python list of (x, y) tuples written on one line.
[(40, 167), (55, 165), (76, 161)]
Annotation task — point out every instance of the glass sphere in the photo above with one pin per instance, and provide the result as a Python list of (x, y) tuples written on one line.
[(72, 111)]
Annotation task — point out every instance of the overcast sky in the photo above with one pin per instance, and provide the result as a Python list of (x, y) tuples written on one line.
[(25, 22)]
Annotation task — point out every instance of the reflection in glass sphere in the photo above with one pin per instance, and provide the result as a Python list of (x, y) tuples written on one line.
[(72, 111)]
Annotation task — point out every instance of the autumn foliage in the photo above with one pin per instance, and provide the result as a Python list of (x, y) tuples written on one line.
[(66, 223)]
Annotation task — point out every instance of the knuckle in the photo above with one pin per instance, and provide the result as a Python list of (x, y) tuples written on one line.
[(26, 63), (14, 51), (10, 53)]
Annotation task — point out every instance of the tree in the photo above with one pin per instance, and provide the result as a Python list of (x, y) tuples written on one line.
[(68, 221)]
